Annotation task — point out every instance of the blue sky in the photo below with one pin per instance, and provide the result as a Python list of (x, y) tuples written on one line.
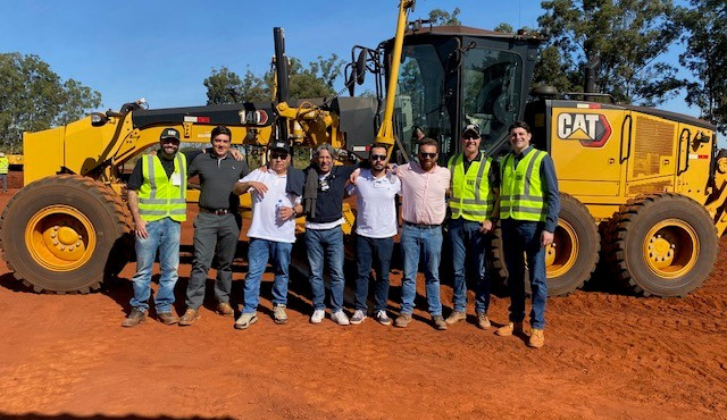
[(162, 50)]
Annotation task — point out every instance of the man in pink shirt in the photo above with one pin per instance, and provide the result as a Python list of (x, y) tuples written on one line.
[(424, 186)]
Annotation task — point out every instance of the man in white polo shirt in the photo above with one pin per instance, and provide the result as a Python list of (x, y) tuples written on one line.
[(376, 219), (276, 197)]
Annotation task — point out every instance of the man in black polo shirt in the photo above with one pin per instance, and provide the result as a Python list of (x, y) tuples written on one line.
[(217, 225)]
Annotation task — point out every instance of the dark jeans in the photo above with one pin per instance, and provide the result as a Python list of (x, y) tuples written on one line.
[(520, 238), (326, 245), (377, 251), (4, 180), (213, 232), (468, 256)]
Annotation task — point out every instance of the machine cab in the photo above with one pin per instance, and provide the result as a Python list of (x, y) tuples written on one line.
[(456, 75)]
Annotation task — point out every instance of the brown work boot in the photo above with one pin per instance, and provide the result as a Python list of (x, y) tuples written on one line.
[(225, 309), (168, 318), (403, 320), (482, 321), (455, 317), (439, 323), (189, 317), (136, 317), (510, 329), (537, 338)]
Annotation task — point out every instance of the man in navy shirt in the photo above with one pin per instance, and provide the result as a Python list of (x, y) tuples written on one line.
[(323, 201)]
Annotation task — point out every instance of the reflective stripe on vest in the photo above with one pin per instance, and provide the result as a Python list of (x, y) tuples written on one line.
[(158, 197), (472, 198), (521, 195), (4, 165)]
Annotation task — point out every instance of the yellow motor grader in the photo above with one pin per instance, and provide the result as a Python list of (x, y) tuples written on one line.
[(642, 189)]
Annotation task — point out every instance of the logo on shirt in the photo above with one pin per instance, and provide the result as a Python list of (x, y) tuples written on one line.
[(592, 130)]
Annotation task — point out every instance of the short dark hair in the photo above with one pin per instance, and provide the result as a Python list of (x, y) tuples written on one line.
[(220, 129), (428, 141), (519, 124), (379, 146)]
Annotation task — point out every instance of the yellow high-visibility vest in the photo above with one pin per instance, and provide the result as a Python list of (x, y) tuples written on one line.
[(521, 195), (4, 165), (158, 196), (472, 196)]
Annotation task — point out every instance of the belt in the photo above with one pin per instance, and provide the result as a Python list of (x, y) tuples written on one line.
[(421, 225), (217, 212)]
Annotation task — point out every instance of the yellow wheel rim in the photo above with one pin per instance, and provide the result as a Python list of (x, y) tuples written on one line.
[(60, 238), (671, 249), (561, 256)]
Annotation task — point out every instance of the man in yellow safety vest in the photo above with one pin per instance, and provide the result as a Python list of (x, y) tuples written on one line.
[(474, 189), (4, 167), (529, 206), (157, 198)]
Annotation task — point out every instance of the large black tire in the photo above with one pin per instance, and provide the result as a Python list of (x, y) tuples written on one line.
[(495, 256), (572, 259), (65, 233), (662, 244)]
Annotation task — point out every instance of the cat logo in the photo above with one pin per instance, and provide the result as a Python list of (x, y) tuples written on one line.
[(592, 130)]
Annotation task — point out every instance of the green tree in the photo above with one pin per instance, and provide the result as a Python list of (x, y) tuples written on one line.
[(440, 17), (627, 37), (223, 87), (35, 98), (504, 28), (706, 57), (316, 80)]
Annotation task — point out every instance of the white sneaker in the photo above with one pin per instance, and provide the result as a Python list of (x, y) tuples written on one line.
[(340, 318), (317, 316), (383, 318), (358, 317)]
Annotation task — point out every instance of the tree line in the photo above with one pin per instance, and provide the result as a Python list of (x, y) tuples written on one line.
[(625, 41)]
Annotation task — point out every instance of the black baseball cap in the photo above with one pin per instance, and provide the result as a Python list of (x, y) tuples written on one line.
[(279, 145), (169, 133), (471, 128)]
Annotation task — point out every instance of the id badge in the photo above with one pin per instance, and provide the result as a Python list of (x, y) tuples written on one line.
[(176, 179)]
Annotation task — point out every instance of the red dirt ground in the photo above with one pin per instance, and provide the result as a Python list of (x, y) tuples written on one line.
[(608, 355)]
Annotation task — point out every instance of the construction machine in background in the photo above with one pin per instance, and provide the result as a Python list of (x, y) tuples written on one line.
[(642, 189)]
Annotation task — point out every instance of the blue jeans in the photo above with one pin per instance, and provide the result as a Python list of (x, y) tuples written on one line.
[(377, 251), (325, 245), (213, 233), (258, 253), (163, 236), (468, 255), (520, 238), (427, 242), (4, 180)]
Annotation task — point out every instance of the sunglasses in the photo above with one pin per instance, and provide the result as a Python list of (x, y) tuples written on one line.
[(471, 137), (428, 155), (281, 156), (378, 157)]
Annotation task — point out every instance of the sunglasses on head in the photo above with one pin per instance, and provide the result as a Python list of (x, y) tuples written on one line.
[(377, 157), (428, 155), (278, 155)]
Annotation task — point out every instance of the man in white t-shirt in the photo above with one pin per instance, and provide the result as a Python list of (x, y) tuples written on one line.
[(276, 202), (377, 224)]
